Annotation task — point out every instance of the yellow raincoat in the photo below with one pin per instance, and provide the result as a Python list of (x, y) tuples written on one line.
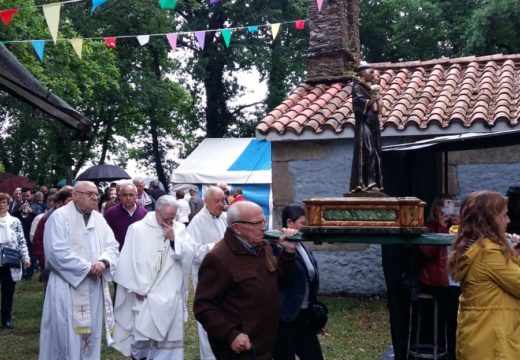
[(489, 307)]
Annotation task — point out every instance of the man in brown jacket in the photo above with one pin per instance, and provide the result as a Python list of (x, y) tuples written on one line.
[(236, 300)]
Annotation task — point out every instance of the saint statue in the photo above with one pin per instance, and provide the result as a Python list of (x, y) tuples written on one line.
[(367, 173)]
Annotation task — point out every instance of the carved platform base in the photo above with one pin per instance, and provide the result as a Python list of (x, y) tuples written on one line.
[(364, 215)]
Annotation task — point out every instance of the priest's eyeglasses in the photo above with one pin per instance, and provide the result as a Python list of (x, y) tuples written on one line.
[(256, 223), (88, 193)]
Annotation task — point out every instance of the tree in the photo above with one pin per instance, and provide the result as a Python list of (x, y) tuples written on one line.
[(216, 66), (33, 143), (400, 30), (151, 109), (456, 15), (493, 28)]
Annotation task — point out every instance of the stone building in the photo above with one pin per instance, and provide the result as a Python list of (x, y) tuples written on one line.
[(312, 132)]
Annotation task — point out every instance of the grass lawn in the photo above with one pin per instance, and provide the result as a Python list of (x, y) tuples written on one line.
[(358, 328)]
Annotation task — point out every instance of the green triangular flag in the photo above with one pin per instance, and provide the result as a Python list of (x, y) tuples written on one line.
[(167, 4), (226, 34)]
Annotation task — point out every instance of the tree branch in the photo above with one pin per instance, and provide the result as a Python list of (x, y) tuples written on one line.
[(186, 44), (242, 107)]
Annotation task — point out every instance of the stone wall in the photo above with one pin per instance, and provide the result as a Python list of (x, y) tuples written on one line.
[(305, 169), (490, 169)]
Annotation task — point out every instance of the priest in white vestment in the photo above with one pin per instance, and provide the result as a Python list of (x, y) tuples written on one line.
[(206, 229), (81, 254), (152, 278)]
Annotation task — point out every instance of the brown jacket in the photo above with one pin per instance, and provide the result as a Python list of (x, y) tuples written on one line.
[(238, 293)]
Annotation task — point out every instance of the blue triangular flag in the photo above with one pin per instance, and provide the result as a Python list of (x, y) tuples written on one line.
[(39, 46), (252, 28), (96, 4)]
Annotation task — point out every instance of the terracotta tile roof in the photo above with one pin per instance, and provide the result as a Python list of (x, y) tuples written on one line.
[(415, 93)]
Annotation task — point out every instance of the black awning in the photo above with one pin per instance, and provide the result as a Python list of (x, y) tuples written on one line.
[(19, 82), (466, 141)]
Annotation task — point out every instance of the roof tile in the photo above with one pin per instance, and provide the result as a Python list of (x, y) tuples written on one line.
[(465, 90)]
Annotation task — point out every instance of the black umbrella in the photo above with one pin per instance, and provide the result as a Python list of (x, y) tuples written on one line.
[(103, 173)]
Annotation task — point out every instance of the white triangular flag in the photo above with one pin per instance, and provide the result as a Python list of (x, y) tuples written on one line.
[(52, 15), (77, 45), (143, 39)]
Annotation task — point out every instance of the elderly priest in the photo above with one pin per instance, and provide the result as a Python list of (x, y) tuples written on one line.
[(152, 278), (81, 253)]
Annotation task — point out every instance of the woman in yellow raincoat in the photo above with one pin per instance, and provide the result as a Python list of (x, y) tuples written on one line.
[(487, 267)]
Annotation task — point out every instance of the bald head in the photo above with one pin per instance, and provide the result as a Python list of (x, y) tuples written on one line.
[(127, 195), (85, 196), (246, 219), (242, 210), (214, 200)]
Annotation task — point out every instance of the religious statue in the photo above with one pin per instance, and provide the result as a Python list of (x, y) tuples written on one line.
[(367, 173)]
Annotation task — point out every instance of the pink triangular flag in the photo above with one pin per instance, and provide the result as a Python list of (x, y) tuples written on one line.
[(172, 39), (320, 3), (7, 15), (111, 41), (201, 38), (299, 24)]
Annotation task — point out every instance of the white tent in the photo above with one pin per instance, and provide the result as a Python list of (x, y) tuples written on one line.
[(242, 162)]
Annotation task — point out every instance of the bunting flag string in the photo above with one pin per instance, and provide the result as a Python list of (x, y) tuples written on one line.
[(111, 41), (6, 15), (164, 4), (43, 5), (52, 17), (298, 24)]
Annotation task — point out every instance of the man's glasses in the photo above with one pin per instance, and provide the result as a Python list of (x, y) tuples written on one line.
[(256, 223), (89, 193)]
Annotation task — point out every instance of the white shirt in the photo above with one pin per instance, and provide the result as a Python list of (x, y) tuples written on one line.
[(183, 212)]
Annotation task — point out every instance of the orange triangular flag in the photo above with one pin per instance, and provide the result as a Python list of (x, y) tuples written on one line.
[(7, 15)]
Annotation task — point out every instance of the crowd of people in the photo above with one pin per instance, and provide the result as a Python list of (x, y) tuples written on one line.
[(252, 297)]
